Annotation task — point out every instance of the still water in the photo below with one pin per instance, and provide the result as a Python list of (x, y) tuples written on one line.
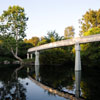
[(48, 83)]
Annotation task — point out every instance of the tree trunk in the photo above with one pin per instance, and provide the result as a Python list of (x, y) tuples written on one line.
[(14, 54)]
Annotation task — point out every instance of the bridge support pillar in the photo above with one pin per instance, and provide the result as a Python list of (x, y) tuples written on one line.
[(77, 58), (31, 55), (36, 58), (27, 55)]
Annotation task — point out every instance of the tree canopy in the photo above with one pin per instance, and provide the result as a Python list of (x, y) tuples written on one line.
[(89, 20), (34, 41), (51, 36), (69, 32)]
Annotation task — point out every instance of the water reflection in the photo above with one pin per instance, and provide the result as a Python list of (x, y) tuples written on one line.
[(54, 80), (54, 91), (14, 84), (90, 84), (57, 77), (37, 73), (77, 83), (11, 88)]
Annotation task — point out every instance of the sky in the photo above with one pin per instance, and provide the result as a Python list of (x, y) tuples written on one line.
[(49, 15)]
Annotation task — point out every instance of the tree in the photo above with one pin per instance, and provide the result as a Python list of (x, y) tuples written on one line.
[(42, 41), (34, 41), (69, 32), (90, 51), (52, 36), (89, 20), (12, 28)]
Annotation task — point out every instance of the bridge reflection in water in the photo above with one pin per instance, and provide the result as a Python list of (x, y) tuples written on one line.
[(77, 83), (66, 95)]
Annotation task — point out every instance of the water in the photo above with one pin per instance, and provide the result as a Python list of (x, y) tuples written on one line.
[(48, 83)]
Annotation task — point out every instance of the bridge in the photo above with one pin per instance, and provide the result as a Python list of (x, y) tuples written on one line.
[(75, 41)]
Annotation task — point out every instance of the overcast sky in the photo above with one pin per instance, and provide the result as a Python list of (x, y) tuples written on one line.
[(47, 15)]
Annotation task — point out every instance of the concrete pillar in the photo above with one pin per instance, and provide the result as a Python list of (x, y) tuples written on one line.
[(31, 56), (77, 58), (77, 83), (37, 65), (36, 58), (27, 55)]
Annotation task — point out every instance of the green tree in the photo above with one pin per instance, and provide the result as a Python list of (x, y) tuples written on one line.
[(34, 41), (52, 36), (91, 51), (89, 20), (69, 32), (42, 41), (12, 28)]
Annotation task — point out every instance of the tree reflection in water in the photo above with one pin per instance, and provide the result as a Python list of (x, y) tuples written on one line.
[(11, 88), (90, 84), (57, 77)]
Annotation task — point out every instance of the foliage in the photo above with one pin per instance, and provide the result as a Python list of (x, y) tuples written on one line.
[(89, 20), (23, 47), (91, 51), (69, 32), (55, 56), (34, 41), (52, 36), (92, 31), (5, 54), (42, 41)]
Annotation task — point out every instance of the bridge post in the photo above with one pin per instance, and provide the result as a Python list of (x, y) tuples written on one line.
[(77, 57), (27, 55), (31, 55), (36, 58)]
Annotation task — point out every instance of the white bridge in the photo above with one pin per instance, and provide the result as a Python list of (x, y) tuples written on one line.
[(68, 42)]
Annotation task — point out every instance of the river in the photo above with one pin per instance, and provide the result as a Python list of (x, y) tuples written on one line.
[(49, 82)]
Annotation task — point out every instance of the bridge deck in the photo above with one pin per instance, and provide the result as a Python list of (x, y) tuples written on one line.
[(80, 40)]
